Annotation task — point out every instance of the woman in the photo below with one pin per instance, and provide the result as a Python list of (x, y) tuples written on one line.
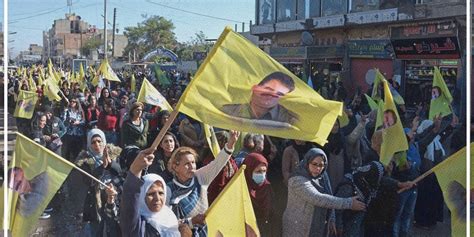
[(292, 155), (74, 121), (161, 118), (363, 182), (168, 145), (189, 186), (260, 190), (37, 126), (310, 199), (135, 129), (146, 213), (109, 121), (93, 111), (335, 150), (104, 94), (99, 159)]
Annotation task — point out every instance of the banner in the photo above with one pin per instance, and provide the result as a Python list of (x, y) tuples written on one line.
[(394, 139), (25, 104), (240, 87), (133, 84), (231, 214), (51, 89), (34, 176), (150, 95), (211, 139)]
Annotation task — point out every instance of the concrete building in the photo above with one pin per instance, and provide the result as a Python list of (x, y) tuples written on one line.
[(64, 41), (343, 40), (32, 55)]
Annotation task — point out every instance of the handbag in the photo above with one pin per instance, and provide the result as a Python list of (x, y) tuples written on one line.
[(55, 144)]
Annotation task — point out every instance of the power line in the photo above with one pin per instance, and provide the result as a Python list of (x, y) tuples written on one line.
[(45, 13), (194, 13)]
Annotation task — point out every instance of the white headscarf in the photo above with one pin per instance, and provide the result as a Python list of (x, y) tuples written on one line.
[(164, 221), (434, 145), (96, 155)]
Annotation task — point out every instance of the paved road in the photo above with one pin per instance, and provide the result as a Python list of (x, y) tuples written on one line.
[(66, 217)]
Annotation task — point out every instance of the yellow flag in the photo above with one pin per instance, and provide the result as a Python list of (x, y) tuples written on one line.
[(211, 139), (231, 214), (241, 87), (107, 72), (51, 89), (81, 72), (472, 186), (133, 84), (394, 139), (372, 104), (150, 95), (379, 118), (343, 119), (25, 105), (451, 175), (31, 83), (441, 97), (35, 174), (376, 93)]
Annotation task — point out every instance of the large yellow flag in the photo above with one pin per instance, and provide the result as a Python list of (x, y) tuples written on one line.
[(211, 139), (451, 174), (472, 187), (25, 105), (34, 176), (150, 95), (372, 104), (441, 97), (231, 214), (376, 92), (394, 139), (241, 87)]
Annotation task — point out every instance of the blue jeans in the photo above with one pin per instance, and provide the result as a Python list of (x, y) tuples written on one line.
[(406, 208)]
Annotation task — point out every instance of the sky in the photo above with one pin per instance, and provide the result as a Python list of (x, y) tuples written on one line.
[(29, 18)]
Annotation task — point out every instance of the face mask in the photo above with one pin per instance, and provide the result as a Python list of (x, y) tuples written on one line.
[(258, 177)]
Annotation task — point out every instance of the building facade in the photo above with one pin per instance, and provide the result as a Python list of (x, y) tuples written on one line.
[(345, 40)]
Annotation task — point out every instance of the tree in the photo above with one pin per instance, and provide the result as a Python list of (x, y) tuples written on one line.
[(90, 44), (197, 43), (153, 32)]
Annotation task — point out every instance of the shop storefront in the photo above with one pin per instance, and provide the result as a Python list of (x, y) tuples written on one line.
[(423, 46), (366, 55), (325, 63)]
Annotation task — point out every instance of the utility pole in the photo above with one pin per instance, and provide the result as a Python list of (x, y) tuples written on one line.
[(113, 32), (105, 29), (69, 4)]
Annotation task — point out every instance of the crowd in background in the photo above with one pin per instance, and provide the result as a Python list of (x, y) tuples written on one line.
[(297, 188)]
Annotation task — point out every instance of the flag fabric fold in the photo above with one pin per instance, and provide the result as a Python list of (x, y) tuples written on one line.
[(231, 214), (231, 85), (35, 174), (211, 139)]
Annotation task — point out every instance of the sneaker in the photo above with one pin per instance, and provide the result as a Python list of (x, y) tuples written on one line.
[(48, 209), (45, 216)]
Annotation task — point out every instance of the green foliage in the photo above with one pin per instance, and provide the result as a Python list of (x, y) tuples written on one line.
[(153, 32), (90, 44), (197, 43)]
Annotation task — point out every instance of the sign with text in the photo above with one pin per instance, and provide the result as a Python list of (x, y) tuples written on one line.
[(428, 48), (434, 30), (369, 48)]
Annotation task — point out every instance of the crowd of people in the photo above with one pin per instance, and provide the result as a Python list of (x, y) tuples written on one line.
[(297, 188)]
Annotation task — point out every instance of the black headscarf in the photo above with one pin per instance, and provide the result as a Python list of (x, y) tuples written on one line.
[(366, 180), (302, 149)]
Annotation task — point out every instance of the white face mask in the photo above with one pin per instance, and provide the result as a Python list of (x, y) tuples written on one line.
[(258, 178)]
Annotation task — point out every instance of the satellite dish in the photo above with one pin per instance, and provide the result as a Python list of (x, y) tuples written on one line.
[(306, 38), (370, 76)]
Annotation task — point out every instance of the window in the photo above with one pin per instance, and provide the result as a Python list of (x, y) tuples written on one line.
[(308, 9), (266, 11), (334, 7), (286, 10), (423, 1), (364, 5)]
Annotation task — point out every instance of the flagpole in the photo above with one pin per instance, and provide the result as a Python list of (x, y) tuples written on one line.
[(165, 128)]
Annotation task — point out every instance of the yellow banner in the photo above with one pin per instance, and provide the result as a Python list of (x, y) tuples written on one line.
[(51, 89), (240, 87), (440, 97), (231, 214), (35, 174), (451, 174), (394, 139), (211, 139), (25, 105)]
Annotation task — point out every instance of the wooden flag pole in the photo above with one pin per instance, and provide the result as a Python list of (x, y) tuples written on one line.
[(163, 130), (418, 179)]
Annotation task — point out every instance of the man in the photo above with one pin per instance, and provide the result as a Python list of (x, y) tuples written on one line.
[(389, 118), (31, 193), (264, 102)]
